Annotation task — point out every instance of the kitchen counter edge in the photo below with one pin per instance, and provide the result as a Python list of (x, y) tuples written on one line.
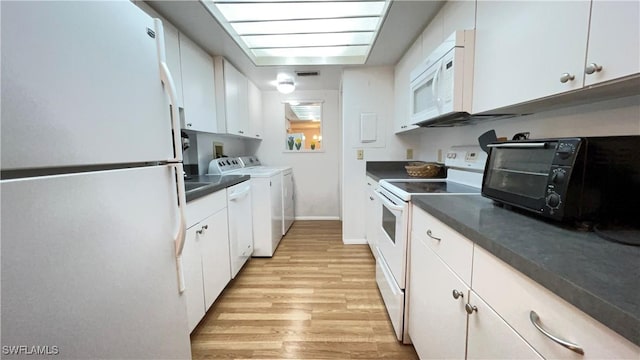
[(216, 183)]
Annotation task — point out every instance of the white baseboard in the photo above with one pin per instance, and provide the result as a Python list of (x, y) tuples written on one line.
[(317, 218), (354, 241)]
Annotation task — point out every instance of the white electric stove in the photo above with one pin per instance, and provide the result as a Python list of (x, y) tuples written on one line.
[(465, 167)]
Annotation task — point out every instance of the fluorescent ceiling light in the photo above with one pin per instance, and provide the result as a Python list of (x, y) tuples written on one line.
[(286, 32)]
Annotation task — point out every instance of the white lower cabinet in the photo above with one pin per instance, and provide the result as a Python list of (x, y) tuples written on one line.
[(437, 321), (514, 296), (490, 337), (373, 215), (492, 318), (205, 258)]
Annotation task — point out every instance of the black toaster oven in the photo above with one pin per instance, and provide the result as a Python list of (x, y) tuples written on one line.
[(582, 179)]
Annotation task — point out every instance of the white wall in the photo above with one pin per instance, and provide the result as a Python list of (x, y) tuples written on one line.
[(201, 149), (366, 90), (315, 175), (611, 117)]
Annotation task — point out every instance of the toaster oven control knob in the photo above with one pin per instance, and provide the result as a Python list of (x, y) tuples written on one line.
[(565, 151), (553, 200), (557, 177)]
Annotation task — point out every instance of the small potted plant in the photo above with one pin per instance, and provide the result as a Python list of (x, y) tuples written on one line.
[(290, 142), (298, 143), (313, 145)]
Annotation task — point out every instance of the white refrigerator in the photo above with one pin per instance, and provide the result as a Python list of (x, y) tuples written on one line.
[(92, 196)]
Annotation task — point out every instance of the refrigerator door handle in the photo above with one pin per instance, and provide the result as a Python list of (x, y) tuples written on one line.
[(170, 85), (182, 227), (167, 79)]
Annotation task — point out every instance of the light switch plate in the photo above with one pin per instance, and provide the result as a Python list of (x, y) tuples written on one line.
[(409, 154), (360, 154)]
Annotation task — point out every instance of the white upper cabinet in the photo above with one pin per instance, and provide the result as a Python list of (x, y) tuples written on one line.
[(255, 111), (528, 50), (172, 49), (401, 89), (614, 41), (233, 91), (198, 84)]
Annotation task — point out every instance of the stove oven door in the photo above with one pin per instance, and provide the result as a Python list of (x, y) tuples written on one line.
[(393, 242)]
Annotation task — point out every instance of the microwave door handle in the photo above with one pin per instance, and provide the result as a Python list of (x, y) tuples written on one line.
[(434, 88), (534, 145)]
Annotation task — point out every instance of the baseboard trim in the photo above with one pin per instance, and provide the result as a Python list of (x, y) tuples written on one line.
[(317, 218), (354, 241)]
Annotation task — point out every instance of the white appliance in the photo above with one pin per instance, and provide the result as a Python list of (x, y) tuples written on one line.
[(465, 165), (441, 86), (288, 212), (239, 208), (92, 187), (266, 194)]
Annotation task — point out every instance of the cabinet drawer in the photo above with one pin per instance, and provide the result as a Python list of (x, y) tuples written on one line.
[(454, 249), (198, 209), (513, 295)]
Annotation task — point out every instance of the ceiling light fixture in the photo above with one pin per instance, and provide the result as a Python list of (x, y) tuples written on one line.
[(285, 84)]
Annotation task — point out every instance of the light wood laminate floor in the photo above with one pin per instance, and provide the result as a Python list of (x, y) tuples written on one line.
[(314, 299)]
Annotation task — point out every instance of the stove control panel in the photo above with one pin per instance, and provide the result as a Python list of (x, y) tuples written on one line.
[(466, 157)]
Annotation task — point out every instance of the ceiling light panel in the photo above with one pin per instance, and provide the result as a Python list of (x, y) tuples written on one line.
[(325, 51), (306, 26), (288, 32), (304, 40), (263, 11)]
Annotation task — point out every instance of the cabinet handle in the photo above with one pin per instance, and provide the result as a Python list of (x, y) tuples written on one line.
[(457, 294), (371, 198), (189, 124), (431, 236), (535, 320), (592, 68), (202, 229), (566, 77), (257, 135), (470, 308)]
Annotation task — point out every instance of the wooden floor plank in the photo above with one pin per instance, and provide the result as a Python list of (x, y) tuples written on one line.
[(316, 298)]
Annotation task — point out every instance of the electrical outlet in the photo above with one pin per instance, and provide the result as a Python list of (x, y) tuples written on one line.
[(360, 154), (409, 154), (440, 155)]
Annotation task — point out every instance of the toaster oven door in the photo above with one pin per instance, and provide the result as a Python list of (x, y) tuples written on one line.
[(521, 174)]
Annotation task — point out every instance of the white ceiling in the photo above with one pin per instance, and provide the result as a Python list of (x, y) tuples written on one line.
[(404, 23)]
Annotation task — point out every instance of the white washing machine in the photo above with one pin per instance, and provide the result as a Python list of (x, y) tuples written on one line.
[(266, 196), (288, 210)]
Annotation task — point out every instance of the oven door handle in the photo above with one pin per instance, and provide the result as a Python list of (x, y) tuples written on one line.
[(536, 145), (386, 202)]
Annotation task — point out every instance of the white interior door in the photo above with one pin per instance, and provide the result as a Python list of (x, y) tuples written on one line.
[(88, 264), (81, 85)]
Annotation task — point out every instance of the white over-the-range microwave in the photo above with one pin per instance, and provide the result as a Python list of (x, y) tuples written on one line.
[(442, 85)]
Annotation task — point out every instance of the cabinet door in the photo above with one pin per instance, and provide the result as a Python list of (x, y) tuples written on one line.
[(614, 40), (235, 91), (523, 49), (437, 321), (192, 267), (490, 337), (172, 48), (373, 214), (255, 111), (198, 87), (216, 267), (401, 89)]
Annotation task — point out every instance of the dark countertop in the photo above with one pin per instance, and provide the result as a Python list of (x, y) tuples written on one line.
[(599, 277), (378, 170), (216, 182)]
